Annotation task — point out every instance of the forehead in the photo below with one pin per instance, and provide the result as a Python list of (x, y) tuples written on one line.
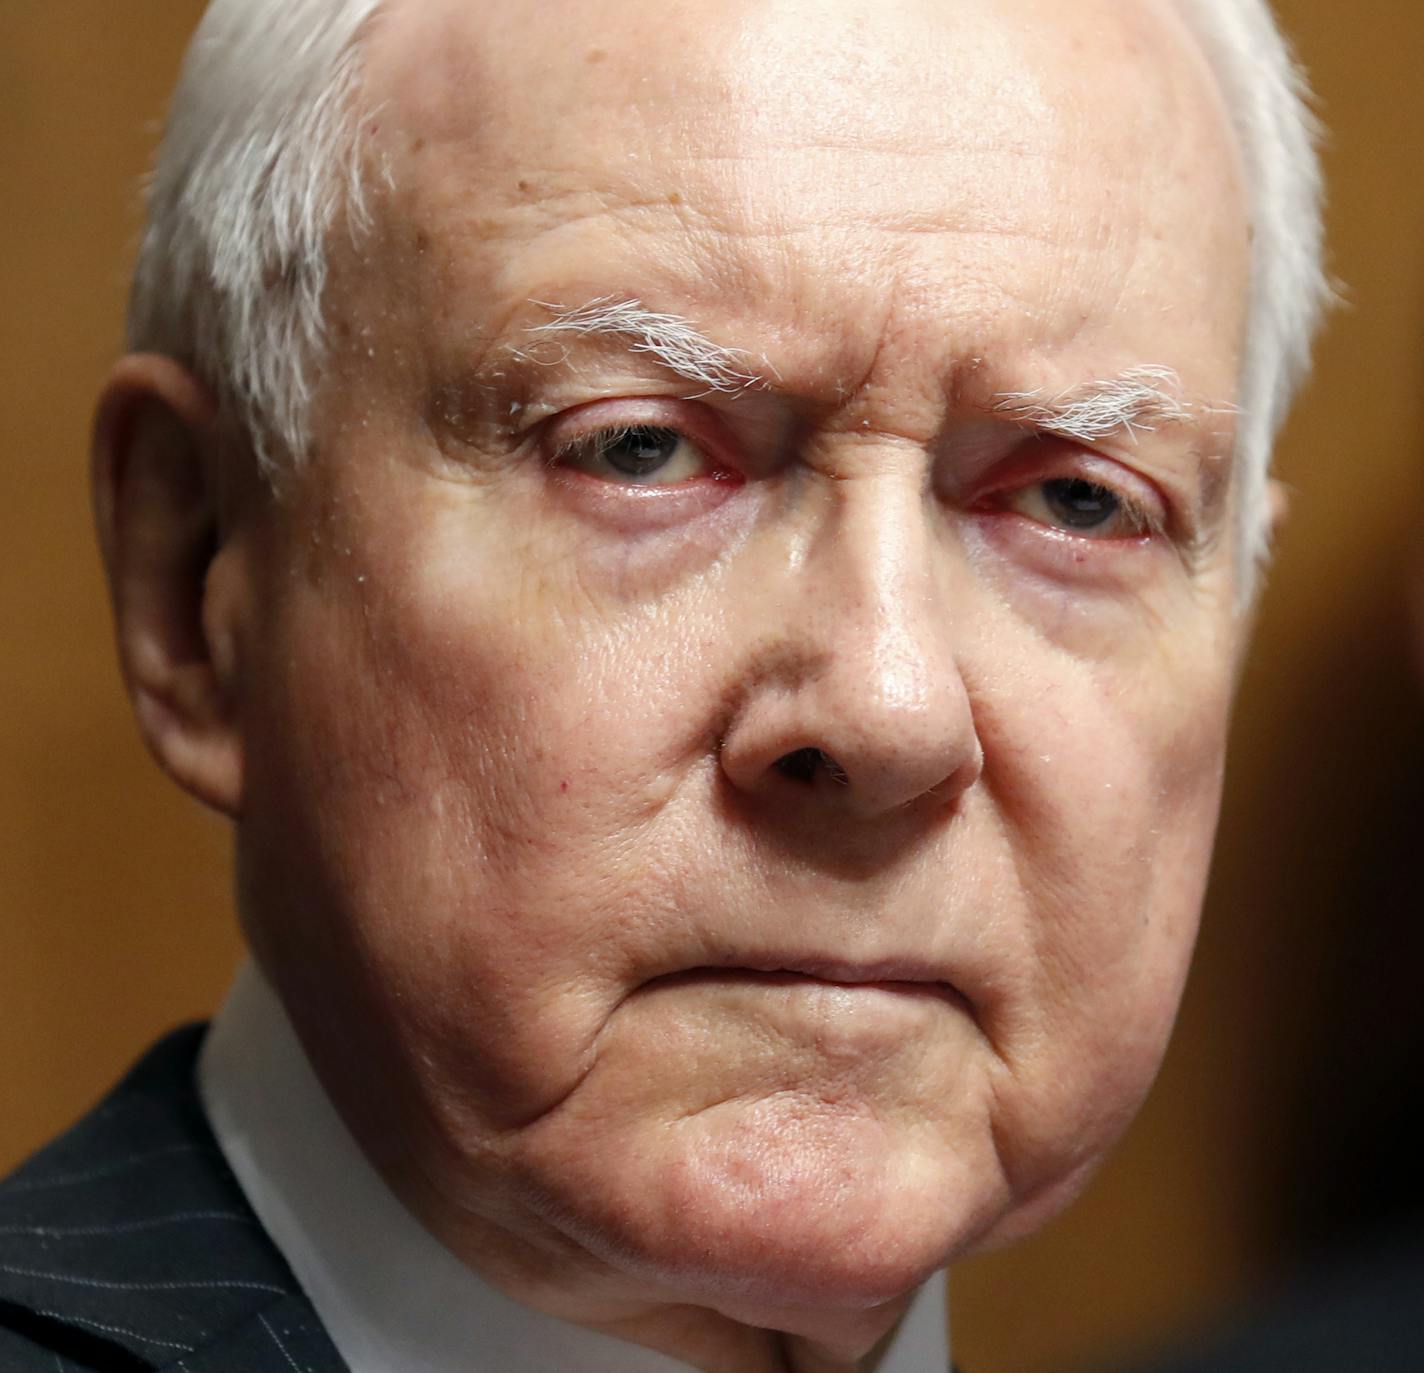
[(1057, 173)]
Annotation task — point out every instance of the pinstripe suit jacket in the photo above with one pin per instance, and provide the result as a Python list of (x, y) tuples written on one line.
[(127, 1245)]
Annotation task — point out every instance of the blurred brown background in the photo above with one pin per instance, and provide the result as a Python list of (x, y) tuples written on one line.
[(1282, 1119)]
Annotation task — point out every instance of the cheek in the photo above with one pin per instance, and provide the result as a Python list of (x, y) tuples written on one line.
[(479, 789), (1106, 791)]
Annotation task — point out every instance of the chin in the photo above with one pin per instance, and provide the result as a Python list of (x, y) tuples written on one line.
[(769, 1208)]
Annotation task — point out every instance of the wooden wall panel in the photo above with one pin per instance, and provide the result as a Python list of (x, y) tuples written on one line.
[(114, 912)]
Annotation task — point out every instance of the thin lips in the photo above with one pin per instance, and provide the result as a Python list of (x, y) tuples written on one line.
[(902, 977), (839, 971)]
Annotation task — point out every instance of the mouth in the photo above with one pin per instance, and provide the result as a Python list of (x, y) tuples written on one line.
[(901, 977), (846, 974)]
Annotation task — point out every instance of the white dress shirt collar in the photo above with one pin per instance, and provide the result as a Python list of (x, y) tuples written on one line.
[(392, 1298)]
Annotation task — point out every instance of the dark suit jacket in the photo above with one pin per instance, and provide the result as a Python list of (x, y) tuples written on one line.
[(127, 1246)]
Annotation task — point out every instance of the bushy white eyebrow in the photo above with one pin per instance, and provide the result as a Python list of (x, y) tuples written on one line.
[(1141, 398), (670, 339)]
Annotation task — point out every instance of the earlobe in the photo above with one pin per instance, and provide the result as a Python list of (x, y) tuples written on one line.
[(156, 507)]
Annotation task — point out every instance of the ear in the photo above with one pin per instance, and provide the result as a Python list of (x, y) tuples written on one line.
[(156, 504)]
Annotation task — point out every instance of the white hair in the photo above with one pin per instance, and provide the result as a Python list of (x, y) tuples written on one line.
[(1141, 398), (1268, 99), (672, 340), (261, 160)]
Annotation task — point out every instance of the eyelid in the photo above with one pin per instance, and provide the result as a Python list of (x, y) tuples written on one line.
[(1177, 495), (1046, 458), (693, 422)]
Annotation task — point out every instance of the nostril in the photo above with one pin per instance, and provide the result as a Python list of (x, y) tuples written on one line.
[(802, 765)]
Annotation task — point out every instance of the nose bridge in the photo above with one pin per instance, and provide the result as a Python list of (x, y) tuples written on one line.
[(873, 713), (877, 614)]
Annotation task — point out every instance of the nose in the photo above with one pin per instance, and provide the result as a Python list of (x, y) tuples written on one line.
[(857, 702)]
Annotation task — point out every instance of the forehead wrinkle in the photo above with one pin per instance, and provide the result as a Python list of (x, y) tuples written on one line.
[(807, 201)]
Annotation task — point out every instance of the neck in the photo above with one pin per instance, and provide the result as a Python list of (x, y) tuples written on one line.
[(562, 1279), (713, 1343), (578, 1290)]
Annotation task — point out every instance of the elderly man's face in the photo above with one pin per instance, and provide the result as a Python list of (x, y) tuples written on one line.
[(740, 844)]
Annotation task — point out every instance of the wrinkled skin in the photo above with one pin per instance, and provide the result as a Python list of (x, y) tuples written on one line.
[(658, 1035)]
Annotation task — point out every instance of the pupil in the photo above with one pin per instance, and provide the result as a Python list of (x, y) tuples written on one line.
[(636, 452), (1080, 504)]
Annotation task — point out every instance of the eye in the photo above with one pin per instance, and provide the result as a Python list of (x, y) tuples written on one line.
[(635, 455), (1082, 507)]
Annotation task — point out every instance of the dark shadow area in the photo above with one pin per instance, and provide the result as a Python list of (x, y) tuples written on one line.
[(1350, 1126)]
